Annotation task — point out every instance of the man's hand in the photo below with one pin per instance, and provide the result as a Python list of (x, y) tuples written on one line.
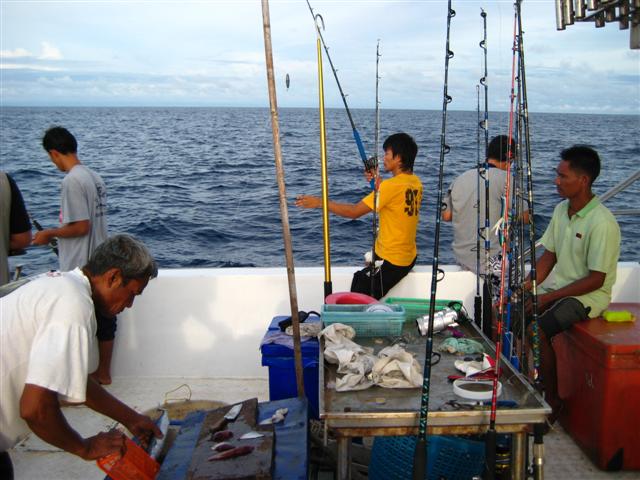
[(144, 428), (308, 201), (42, 237), (103, 444)]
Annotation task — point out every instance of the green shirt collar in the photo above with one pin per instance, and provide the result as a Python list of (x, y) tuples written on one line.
[(593, 203)]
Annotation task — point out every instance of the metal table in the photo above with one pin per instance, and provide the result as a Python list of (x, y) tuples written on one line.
[(388, 412)]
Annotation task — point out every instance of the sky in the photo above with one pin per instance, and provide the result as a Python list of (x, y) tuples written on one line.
[(211, 53)]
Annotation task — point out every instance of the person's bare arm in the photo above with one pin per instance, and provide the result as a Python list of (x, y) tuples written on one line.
[(39, 407), (100, 400), (68, 230), (18, 241), (347, 210)]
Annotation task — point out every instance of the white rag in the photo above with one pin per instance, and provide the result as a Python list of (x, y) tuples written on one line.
[(393, 367)]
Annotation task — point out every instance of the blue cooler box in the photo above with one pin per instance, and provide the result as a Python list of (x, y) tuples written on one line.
[(282, 373)]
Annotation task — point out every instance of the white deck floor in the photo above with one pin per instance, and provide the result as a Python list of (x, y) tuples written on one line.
[(34, 460)]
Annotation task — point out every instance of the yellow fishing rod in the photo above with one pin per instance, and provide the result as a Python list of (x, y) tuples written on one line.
[(323, 165)]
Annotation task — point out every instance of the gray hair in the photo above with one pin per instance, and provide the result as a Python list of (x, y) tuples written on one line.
[(125, 253)]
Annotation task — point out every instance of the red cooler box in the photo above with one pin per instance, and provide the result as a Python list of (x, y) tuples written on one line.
[(599, 379)]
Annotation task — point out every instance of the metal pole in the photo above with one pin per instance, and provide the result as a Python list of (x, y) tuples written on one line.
[(284, 213)]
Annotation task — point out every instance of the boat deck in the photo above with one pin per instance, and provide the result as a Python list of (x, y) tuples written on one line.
[(33, 459)]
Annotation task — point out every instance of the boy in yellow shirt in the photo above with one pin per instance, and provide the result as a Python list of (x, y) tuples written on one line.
[(398, 207)]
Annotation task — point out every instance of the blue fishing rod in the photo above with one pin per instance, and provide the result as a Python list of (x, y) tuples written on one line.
[(420, 456), (356, 136)]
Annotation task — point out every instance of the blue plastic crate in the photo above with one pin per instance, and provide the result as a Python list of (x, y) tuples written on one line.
[(453, 458), (366, 324), (282, 372)]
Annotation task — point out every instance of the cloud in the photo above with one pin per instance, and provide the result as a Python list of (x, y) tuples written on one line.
[(17, 53), (49, 52)]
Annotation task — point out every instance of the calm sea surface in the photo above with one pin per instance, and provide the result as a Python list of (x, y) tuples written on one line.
[(198, 185)]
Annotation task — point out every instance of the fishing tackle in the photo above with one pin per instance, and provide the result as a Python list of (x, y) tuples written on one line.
[(532, 229), (420, 456), (490, 447), (53, 243), (374, 180), (323, 160), (356, 134), (486, 233)]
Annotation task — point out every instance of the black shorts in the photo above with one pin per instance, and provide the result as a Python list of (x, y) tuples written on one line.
[(106, 327), (562, 315), (385, 277)]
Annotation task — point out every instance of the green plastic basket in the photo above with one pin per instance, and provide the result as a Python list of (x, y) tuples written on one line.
[(366, 324), (416, 307)]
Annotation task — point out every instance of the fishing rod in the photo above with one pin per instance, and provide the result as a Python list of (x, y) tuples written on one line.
[(53, 243), (284, 213), (477, 304), (538, 447), (420, 455), (356, 134), (486, 234), (323, 163), (374, 180), (490, 446)]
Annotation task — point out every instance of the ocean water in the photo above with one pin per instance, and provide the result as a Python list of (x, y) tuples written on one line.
[(198, 185)]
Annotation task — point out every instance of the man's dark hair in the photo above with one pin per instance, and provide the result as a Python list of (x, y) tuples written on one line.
[(59, 139), (500, 147), (125, 253), (404, 145), (583, 159)]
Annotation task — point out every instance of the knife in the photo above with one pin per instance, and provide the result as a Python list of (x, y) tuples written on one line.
[(230, 416)]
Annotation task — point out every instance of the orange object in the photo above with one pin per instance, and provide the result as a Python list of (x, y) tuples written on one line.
[(136, 464)]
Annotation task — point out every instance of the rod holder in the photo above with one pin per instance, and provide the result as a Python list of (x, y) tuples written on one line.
[(568, 12), (560, 25), (580, 9)]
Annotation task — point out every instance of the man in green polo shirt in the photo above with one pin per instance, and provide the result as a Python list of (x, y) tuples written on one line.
[(582, 246)]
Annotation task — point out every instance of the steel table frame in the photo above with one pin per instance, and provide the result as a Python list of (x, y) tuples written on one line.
[(389, 412)]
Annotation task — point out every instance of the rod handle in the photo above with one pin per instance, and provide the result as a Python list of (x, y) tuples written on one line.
[(420, 459), (490, 455)]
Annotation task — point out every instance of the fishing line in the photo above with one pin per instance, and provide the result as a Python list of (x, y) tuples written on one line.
[(490, 447), (420, 456), (356, 134)]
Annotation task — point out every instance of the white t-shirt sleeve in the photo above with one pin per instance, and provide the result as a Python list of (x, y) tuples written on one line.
[(75, 206), (60, 360)]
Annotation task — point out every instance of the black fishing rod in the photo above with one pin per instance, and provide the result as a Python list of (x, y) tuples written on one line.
[(356, 135), (538, 444), (420, 456), (491, 436), (477, 304), (374, 180), (53, 243), (486, 234)]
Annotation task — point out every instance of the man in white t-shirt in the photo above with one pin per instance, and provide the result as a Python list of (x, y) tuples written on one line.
[(48, 347), (83, 225)]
